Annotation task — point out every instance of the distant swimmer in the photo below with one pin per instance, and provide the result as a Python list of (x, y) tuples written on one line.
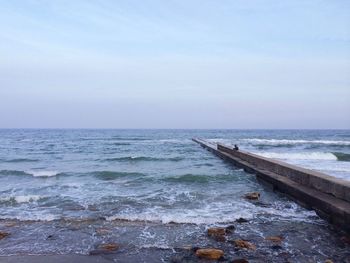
[(236, 147)]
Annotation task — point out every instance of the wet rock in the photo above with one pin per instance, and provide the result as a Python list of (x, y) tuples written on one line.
[(104, 249), (216, 231), (109, 246), (328, 261), (252, 196), (230, 228), (3, 235), (240, 243), (50, 237), (240, 260), (276, 247), (242, 220), (275, 239), (10, 224), (194, 249), (210, 253), (96, 252)]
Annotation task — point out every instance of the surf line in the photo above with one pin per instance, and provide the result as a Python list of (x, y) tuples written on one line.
[(327, 195)]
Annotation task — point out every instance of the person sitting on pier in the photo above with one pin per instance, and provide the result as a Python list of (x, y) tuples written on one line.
[(236, 147)]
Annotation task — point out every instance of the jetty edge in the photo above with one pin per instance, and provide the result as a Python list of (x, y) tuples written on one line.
[(327, 195)]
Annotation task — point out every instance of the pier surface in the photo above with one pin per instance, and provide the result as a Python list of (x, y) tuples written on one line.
[(327, 195)]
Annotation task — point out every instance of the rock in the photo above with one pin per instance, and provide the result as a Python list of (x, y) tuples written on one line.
[(242, 220), (240, 260), (96, 252), (216, 231), (210, 253), (328, 261), (276, 247), (230, 228), (104, 249), (3, 235), (275, 239), (10, 224), (109, 246), (252, 196), (239, 243)]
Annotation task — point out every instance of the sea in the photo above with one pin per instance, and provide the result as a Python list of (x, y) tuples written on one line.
[(156, 192)]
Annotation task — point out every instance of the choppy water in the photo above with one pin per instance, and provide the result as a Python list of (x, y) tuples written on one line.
[(156, 178)]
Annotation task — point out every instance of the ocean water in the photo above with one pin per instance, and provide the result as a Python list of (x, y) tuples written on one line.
[(162, 186)]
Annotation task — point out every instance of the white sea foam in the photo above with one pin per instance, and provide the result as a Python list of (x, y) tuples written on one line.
[(42, 173), (32, 217), (299, 156), (27, 198), (21, 198), (283, 141), (219, 213)]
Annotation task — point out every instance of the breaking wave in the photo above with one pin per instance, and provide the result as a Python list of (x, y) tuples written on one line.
[(32, 173), (300, 156), (20, 199), (274, 142), (43, 173), (332, 156), (345, 157)]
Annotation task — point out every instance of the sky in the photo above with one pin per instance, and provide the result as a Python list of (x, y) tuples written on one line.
[(175, 64)]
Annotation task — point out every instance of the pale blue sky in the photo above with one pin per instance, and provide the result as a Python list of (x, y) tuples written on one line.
[(174, 64)]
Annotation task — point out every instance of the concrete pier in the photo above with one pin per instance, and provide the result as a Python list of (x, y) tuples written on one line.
[(327, 195)]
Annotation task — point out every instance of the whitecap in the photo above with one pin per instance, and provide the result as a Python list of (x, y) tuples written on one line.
[(285, 141), (299, 156), (27, 198), (42, 173)]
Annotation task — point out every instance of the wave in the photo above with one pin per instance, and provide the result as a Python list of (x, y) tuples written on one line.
[(36, 217), (32, 173), (345, 157), (143, 158), (331, 156), (18, 160), (121, 138), (12, 172), (121, 143), (219, 213), (20, 199), (293, 142), (43, 173), (299, 156), (197, 178), (110, 175)]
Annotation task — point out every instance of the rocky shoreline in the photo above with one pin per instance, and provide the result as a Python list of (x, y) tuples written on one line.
[(129, 241)]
